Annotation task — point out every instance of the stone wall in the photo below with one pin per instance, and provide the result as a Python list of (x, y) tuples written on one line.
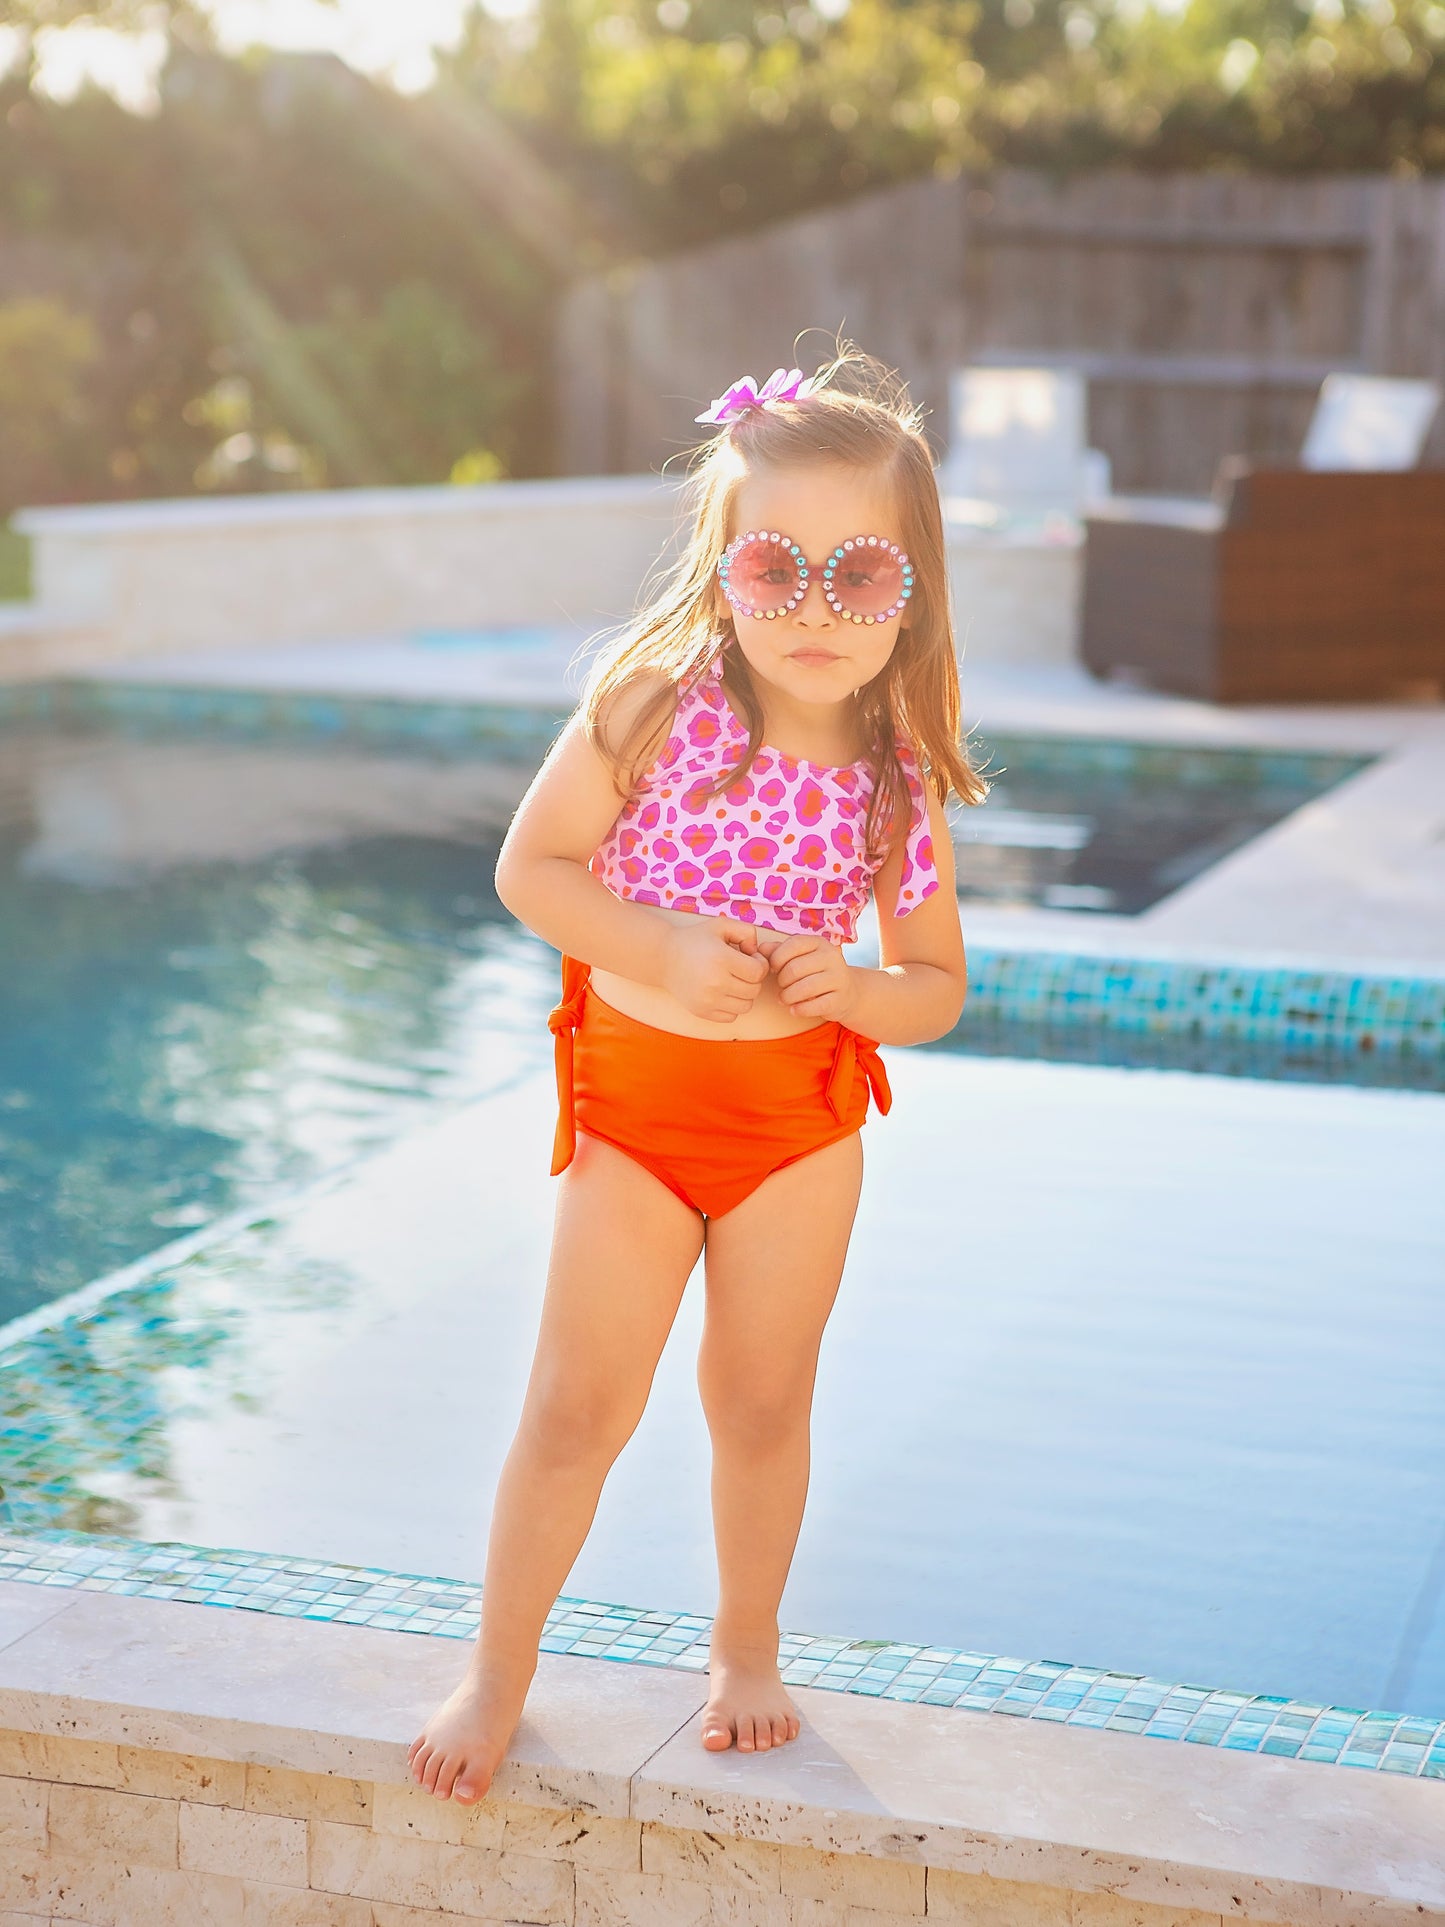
[(122, 1836), (149, 578), (168, 1763), (119, 582)]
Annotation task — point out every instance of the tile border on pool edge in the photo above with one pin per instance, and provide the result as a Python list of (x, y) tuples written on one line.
[(465, 719), (941, 1676), (1336, 1011)]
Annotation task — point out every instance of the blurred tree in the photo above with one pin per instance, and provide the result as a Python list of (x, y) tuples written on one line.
[(182, 21), (283, 222), (700, 117), (428, 377), (45, 350), (710, 116)]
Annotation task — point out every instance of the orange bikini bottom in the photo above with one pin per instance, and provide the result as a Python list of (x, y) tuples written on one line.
[(710, 1117)]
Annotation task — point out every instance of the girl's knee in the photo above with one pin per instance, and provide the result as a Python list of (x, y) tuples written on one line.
[(758, 1416), (573, 1426)]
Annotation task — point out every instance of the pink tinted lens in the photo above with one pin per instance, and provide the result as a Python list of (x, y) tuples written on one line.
[(867, 576), (763, 573)]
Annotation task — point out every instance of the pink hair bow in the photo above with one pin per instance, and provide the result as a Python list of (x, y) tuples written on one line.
[(784, 384)]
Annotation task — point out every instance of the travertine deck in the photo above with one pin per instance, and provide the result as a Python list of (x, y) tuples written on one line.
[(163, 1765)]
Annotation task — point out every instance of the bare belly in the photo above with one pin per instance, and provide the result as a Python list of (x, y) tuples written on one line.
[(768, 1017)]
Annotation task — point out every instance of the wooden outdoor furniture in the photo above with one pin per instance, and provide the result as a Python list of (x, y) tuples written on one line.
[(1292, 586)]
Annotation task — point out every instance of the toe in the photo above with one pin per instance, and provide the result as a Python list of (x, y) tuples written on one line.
[(716, 1732), (745, 1733), (780, 1730)]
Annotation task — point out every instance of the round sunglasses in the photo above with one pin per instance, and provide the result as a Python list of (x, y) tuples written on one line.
[(865, 579)]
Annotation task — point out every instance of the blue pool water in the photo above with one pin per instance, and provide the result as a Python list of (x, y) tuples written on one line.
[(1167, 1345), (1100, 826)]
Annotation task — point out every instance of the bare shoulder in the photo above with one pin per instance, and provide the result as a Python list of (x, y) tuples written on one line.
[(622, 709), (575, 797)]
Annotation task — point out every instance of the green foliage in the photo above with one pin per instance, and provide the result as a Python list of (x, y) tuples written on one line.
[(286, 284), (738, 115), (14, 565), (44, 351), (701, 117), (429, 383)]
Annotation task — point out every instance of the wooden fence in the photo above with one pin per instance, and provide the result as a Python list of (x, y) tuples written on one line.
[(1205, 309)]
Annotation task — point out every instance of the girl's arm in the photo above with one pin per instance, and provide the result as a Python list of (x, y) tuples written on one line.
[(543, 879), (917, 992)]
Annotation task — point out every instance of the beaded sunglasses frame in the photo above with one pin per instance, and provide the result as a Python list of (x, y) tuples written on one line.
[(830, 567)]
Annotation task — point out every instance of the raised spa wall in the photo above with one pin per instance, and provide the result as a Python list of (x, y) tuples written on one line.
[(124, 580), (165, 1764)]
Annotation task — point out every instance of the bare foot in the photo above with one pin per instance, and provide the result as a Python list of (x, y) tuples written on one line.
[(747, 1705), (463, 1743)]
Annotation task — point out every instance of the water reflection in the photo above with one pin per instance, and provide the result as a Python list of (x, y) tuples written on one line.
[(228, 967), (1115, 827), (94, 1401)]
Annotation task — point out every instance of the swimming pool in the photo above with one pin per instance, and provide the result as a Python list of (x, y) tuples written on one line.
[(1107, 826), (1192, 1435)]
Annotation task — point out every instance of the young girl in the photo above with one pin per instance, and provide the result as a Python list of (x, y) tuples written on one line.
[(745, 769)]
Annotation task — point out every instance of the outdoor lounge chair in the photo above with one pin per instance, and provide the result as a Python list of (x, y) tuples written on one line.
[(1017, 442), (1324, 582)]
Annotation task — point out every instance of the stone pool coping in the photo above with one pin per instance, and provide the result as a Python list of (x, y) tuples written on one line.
[(1052, 1692), (1234, 1835)]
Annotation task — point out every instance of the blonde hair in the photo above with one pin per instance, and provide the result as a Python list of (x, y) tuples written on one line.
[(857, 414)]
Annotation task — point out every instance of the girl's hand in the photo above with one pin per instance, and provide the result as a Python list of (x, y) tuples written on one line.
[(713, 968), (814, 979)]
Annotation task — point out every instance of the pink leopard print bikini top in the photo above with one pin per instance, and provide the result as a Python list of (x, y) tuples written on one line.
[(784, 847)]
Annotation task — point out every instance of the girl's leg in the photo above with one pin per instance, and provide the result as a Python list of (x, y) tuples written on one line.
[(623, 1247), (773, 1263)]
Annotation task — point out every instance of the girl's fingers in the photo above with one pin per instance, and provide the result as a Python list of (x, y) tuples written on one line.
[(736, 931), (784, 952), (800, 969)]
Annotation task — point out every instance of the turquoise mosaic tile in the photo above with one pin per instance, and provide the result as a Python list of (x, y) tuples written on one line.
[(1180, 764), (1037, 1689), (1308, 1010), (256, 714)]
